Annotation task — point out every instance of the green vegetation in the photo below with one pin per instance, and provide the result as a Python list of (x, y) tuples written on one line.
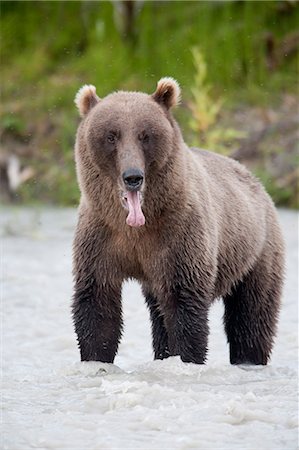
[(209, 133), (49, 49)]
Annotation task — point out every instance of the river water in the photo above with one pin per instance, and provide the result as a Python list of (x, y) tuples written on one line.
[(53, 401)]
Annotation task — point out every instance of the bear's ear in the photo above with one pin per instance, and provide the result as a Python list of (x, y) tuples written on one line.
[(168, 92), (86, 98)]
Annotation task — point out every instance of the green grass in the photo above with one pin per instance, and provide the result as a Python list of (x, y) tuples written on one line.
[(49, 49)]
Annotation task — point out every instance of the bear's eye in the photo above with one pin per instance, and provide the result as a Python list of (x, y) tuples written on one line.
[(143, 137), (111, 138)]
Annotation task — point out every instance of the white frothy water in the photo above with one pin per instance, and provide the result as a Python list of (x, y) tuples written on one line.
[(53, 401)]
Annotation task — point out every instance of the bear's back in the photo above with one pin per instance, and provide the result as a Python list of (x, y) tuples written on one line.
[(227, 176)]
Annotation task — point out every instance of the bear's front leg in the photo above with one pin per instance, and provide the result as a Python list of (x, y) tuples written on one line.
[(186, 320), (97, 319), (97, 312)]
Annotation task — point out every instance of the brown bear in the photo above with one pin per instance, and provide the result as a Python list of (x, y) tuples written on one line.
[(190, 225)]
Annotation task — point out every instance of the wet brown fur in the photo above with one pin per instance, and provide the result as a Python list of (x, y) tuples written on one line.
[(211, 230)]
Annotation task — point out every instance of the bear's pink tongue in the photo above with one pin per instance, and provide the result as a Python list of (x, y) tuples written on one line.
[(135, 217)]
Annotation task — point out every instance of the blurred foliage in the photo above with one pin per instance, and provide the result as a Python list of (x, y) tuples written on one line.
[(49, 49), (210, 134)]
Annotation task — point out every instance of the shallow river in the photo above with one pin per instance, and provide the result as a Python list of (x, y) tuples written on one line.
[(53, 401)]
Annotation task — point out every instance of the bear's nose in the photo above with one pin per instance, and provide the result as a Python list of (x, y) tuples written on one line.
[(133, 179)]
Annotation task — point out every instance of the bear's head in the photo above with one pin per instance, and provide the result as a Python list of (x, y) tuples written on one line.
[(129, 138)]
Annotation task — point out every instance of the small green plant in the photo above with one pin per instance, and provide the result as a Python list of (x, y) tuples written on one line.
[(12, 124), (206, 110)]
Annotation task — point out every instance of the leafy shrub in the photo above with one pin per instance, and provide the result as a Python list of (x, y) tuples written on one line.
[(209, 133)]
